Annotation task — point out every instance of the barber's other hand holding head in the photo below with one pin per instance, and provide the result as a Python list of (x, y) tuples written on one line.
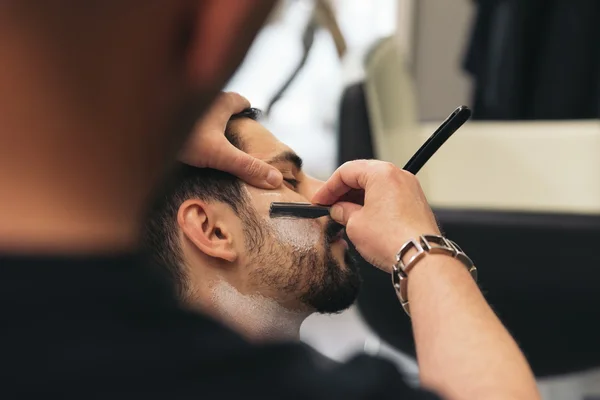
[(207, 147), (390, 208)]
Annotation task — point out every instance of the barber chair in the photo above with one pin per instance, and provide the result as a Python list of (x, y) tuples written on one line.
[(522, 199)]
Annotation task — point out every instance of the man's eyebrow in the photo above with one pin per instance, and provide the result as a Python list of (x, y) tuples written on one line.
[(287, 156)]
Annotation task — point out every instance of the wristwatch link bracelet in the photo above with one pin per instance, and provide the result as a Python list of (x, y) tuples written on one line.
[(425, 244)]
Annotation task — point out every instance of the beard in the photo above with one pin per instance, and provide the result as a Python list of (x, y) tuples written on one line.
[(337, 287), (312, 278)]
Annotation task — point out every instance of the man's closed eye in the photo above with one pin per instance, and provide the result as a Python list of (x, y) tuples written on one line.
[(292, 182)]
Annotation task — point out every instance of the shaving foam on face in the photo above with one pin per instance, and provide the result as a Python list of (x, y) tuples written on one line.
[(255, 316), (301, 235)]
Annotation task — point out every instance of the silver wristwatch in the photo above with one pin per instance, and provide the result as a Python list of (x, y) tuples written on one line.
[(432, 244)]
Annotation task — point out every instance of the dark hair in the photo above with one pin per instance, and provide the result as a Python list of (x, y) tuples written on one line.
[(161, 233)]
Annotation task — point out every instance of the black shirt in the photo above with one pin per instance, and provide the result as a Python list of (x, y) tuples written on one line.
[(109, 327)]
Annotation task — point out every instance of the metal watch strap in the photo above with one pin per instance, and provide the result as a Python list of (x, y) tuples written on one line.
[(432, 244)]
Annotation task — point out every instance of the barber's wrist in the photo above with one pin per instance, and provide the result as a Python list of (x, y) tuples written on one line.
[(393, 246), (439, 274), (417, 254), (436, 265)]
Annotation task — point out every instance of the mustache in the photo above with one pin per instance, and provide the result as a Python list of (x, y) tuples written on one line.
[(332, 230)]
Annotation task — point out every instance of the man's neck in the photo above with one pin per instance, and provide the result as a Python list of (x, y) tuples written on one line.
[(257, 318)]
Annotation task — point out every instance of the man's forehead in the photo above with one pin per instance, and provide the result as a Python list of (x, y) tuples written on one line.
[(257, 140)]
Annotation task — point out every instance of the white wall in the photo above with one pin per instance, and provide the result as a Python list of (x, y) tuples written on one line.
[(440, 38), (306, 117)]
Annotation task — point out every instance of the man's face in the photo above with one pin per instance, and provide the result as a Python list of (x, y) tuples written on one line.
[(302, 263)]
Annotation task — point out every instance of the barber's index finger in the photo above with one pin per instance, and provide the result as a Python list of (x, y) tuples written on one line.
[(346, 178), (229, 103)]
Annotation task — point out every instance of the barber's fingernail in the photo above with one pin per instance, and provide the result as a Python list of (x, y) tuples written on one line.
[(274, 178), (336, 212)]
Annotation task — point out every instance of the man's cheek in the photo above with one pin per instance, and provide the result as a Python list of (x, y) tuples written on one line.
[(261, 199), (302, 235)]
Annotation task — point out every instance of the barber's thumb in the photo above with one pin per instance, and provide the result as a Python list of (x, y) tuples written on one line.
[(342, 212)]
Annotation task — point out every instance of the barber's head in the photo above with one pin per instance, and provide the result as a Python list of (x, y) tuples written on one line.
[(167, 50), (97, 96), (213, 230)]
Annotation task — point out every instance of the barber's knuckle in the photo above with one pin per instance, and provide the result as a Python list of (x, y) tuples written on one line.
[(387, 169), (410, 179), (253, 168), (349, 165), (222, 98), (392, 167), (235, 99), (229, 102), (351, 227)]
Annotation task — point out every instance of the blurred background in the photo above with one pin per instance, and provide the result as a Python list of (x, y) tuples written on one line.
[(346, 79)]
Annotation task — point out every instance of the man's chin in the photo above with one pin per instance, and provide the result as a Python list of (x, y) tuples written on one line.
[(337, 292), (337, 303)]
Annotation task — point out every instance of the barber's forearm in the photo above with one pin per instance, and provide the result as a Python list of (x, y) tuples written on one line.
[(464, 351)]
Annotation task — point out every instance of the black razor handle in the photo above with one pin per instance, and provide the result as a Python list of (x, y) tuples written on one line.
[(298, 210)]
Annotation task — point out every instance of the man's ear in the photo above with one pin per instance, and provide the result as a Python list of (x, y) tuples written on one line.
[(206, 227)]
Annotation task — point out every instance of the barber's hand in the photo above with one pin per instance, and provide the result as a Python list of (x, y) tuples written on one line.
[(208, 147), (395, 209)]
